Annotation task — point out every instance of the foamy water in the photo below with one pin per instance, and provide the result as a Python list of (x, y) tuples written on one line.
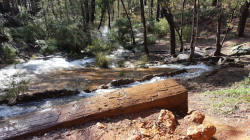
[(34, 67)]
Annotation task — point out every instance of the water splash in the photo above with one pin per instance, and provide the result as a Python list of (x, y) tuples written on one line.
[(34, 67)]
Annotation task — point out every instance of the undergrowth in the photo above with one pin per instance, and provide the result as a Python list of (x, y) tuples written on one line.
[(229, 99)]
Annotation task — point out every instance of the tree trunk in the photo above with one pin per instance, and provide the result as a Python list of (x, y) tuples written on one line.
[(244, 13), (53, 8), (109, 17), (86, 8), (192, 44), (151, 9), (158, 11), (118, 8), (130, 24), (60, 9), (218, 44), (67, 11), (92, 11), (144, 27), (182, 19), (168, 15), (102, 17)]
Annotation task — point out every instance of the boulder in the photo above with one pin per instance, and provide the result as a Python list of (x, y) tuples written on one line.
[(167, 119)]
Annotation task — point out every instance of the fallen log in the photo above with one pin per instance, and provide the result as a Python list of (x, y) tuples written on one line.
[(163, 94)]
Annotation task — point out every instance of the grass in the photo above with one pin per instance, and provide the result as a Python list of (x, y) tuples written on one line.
[(227, 100), (121, 73), (101, 60)]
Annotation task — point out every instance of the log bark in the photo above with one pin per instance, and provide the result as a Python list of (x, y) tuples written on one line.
[(163, 94)]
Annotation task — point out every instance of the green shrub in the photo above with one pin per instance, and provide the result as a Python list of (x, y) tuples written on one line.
[(102, 60), (143, 60), (151, 40), (187, 32), (15, 88), (47, 47), (29, 33), (7, 54), (121, 63), (98, 46), (71, 39), (123, 30), (121, 73), (160, 28)]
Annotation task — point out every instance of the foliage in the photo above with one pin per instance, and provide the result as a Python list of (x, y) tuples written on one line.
[(143, 60), (121, 63), (8, 54), (151, 40), (98, 46), (29, 33), (15, 87), (121, 73), (160, 28), (47, 47), (122, 34), (70, 39), (239, 93), (187, 32), (102, 60)]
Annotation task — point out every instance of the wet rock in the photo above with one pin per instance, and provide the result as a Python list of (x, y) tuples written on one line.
[(103, 86), (121, 82), (27, 97), (182, 57), (196, 117), (100, 125), (171, 73), (201, 132), (147, 77), (209, 48), (167, 119)]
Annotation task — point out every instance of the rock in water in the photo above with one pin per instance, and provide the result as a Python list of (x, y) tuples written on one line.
[(182, 57), (121, 82)]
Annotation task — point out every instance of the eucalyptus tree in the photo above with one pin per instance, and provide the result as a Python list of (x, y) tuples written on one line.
[(244, 13), (144, 26), (194, 30), (166, 11)]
